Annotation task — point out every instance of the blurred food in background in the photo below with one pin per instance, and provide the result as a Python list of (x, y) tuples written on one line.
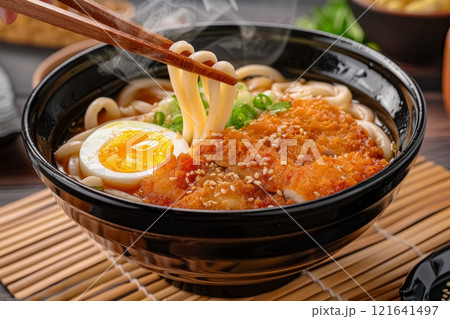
[(335, 17), (27, 31), (415, 6)]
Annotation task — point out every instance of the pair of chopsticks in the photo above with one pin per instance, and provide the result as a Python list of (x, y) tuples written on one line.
[(109, 27)]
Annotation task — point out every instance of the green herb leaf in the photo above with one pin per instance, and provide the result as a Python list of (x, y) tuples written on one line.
[(335, 17), (98, 188)]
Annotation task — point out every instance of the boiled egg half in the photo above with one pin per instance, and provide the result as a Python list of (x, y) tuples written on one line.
[(122, 153)]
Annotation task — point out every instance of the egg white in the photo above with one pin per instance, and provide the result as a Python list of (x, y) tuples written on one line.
[(89, 153)]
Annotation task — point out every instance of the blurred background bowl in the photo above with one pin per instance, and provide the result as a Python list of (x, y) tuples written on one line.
[(410, 38), (241, 252)]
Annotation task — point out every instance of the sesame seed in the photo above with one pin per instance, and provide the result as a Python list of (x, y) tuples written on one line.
[(236, 176), (216, 134), (187, 180), (283, 163), (241, 164), (172, 179), (216, 194), (223, 191), (270, 206), (212, 183), (258, 183), (218, 170), (265, 170), (317, 194), (189, 192), (250, 180), (271, 178), (251, 199), (279, 192), (233, 188), (256, 175), (254, 163)]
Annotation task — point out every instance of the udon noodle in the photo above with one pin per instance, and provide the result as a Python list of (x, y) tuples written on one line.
[(206, 109)]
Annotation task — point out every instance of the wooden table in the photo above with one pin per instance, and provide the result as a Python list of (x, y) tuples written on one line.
[(18, 179)]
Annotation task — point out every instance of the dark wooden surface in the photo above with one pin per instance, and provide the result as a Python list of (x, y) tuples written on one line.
[(17, 178)]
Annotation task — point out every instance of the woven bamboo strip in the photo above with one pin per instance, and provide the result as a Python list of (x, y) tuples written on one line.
[(29, 218), (356, 293), (166, 292), (41, 255), (431, 176), (69, 271), (9, 230), (35, 230), (30, 240), (297, 283), (35, 207), (116, 292), (137, 295), (39, 245), (67, 288), (98, 289), (340, 284), (148, 279), (379, 250), (388, 291), (96, 278), (43, 274), (339, 277), (371, 238), (24, 272), (157, 286), (20, 204)]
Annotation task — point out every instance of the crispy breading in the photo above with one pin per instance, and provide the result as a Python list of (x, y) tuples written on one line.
[(312, 150)]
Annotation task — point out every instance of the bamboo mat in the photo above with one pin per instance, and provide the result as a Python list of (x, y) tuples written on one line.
[(46, 256)]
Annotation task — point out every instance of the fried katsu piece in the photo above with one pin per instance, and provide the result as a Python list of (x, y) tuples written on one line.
[(310, 151), (182, 183)]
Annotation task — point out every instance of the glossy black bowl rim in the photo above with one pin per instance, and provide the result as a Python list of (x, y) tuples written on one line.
[(381, 10), (400, 163)]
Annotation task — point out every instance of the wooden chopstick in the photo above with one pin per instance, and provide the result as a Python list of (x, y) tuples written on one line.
[(97, 30), (115, 20)]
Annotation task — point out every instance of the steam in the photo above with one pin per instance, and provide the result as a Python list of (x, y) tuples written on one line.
[(179, 19)]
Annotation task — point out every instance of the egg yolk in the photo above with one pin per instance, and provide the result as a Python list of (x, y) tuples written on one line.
[(135, 151)]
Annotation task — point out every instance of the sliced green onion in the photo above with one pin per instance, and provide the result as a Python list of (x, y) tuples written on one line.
[(159, 118), (279, 107), (262, 102), (242, 115)]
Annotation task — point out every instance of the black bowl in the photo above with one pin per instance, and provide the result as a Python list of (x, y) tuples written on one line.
[(232, 248)]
